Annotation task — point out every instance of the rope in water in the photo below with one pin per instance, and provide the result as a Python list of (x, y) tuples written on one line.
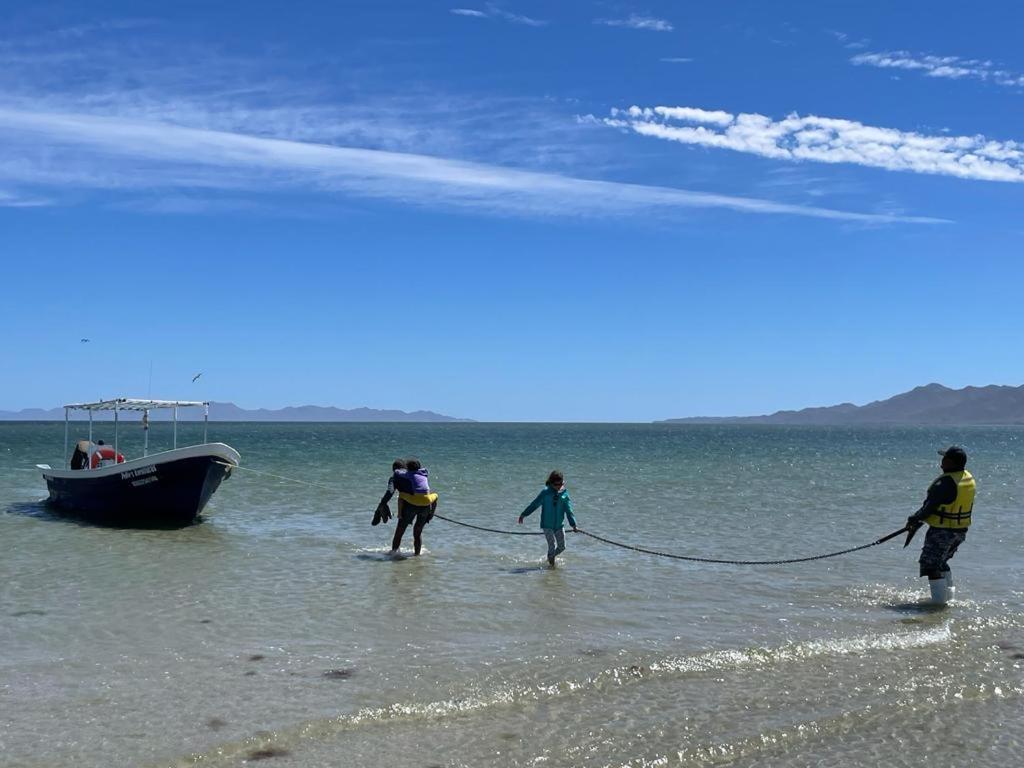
[(679, 557), (631, 547), (278, 477), (489, 530), (740, 562)]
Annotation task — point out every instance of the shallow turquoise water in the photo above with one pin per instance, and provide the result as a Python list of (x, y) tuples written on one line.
[(129, 647)]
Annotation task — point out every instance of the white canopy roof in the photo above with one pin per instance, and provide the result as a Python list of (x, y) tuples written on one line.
[(133, 404)]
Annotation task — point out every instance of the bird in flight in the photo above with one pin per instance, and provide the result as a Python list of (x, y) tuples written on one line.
[(196, 377), (84, 341)]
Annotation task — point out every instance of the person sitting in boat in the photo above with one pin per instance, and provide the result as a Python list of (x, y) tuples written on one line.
[(103, 456), (416, 503), (80, 458)]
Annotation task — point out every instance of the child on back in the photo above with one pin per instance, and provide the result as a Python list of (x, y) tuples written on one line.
[(555, 505), (412, 480)]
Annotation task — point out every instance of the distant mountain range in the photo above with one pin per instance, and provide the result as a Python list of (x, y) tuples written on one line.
[(933, 404), (231, 412)]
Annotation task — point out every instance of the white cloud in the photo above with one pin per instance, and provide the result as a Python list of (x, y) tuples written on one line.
[(194, 205), (179, 128), (10, 200), (496, 12), (516, 18), (676, 59), (199, 88), (635, 21), (844, 38), (87, 150), (950, 67), (828, 140)]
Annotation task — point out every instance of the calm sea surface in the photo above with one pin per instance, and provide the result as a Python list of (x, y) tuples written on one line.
[(276, 629)]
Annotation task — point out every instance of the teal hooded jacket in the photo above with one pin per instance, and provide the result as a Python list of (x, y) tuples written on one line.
[(554, 505)]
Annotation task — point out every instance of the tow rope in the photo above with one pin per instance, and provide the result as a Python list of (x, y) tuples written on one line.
[(489, 530), (655, 552), (621, 545), (673, 556)]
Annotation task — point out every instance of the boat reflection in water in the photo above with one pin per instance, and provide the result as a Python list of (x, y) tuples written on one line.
[(166, 489)]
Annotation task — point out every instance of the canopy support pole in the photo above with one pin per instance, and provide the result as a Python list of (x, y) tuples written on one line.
[(145, 432), (90, 425), (206, 420), (67, 461), (115, 433), (175, 426)]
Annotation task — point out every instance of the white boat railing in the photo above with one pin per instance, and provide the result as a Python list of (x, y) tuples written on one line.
[(130, 404)]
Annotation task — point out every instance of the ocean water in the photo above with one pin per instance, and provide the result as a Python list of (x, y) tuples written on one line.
[(276, 633)]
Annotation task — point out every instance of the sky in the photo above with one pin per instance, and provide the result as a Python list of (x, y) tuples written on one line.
[(515, 211)]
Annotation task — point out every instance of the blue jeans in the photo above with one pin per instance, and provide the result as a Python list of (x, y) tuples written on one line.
[(554, 535)]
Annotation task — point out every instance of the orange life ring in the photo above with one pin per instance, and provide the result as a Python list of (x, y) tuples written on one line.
[(104, 453)]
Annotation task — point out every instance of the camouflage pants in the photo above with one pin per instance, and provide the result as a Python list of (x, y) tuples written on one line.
[(940, 544)]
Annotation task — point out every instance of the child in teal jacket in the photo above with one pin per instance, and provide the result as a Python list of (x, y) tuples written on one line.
[(555, 505)]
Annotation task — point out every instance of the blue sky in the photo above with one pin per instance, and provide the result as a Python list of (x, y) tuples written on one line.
[(510, 211)]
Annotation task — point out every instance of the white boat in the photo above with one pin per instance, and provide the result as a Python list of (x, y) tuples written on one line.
[(166, 489)]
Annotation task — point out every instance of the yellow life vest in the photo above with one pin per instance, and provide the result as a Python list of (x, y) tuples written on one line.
[(418, 499), (958, 513)]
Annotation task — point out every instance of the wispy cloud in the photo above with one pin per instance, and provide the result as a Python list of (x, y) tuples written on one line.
[(828, 140), (636, 21), (844, 38), (71, 34), (198, 205), (516, 18), (188, 85), (676, 59), (10, 200), (951, 67), (107, 151), (497, 12), (136, 122)]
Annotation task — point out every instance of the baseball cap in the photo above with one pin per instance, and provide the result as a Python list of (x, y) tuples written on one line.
[(954, 452)]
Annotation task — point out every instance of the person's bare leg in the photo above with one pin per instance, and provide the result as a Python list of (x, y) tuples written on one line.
[(417, 533), (396, 542)]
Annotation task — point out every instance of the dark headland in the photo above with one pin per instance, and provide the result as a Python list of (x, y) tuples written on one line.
[(932, 404), (231, 412)]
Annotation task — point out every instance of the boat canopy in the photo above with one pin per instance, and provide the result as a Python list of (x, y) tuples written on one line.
[(133, 404)]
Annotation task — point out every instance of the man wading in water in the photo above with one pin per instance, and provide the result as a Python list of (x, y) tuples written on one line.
[(947, 510), (416, 503)]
